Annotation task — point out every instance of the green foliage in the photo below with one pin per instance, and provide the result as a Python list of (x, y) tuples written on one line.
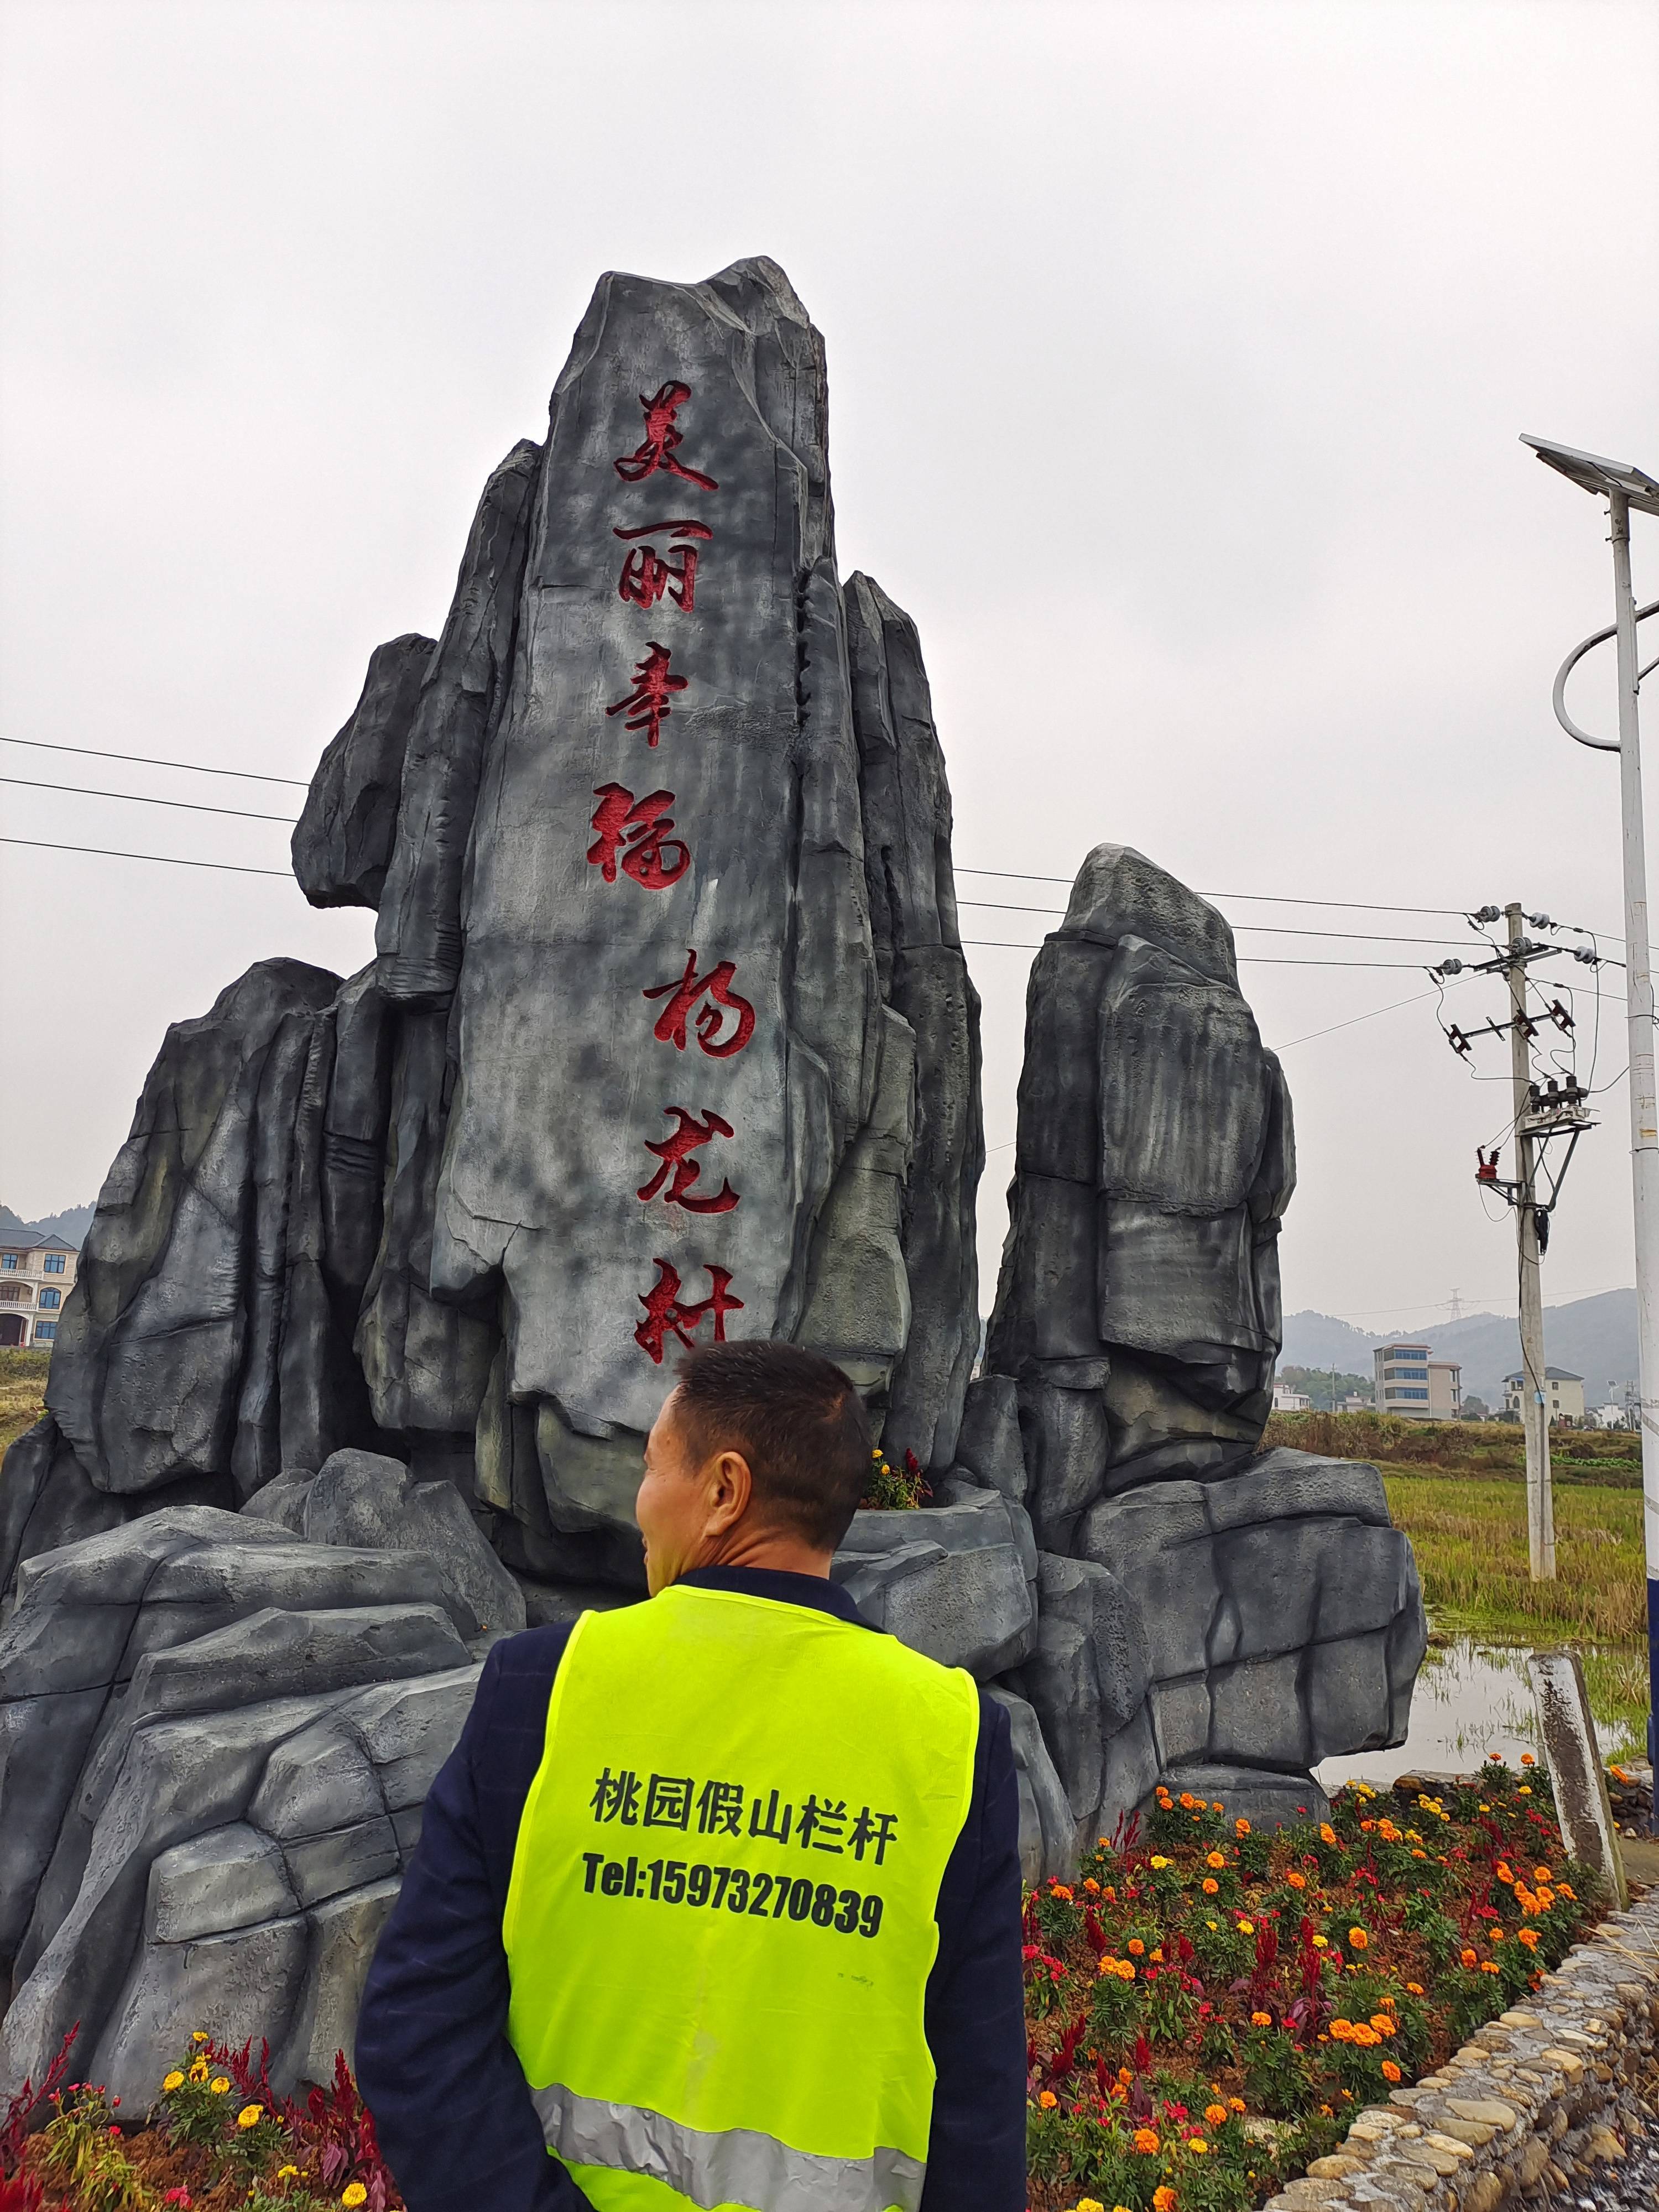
[(895, 1491)]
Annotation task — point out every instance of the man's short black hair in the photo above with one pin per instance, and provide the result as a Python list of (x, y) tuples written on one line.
[(797, 1420)]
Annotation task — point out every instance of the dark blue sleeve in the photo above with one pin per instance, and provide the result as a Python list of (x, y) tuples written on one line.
[(975, 2007), (451, 2110)]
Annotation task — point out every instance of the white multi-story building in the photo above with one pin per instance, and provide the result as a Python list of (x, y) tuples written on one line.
[(1412, 1384), (1564, 1392), (1288, 1400), (36, 1276)]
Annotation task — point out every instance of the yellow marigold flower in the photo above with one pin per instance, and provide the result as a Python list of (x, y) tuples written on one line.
[(354, 2193), (1089, 2204), (198, 2070), (1212, 1887), (1215, 1858), (174, 2081), (1047, 2099), (1215, 2114), (287, 2173), (199, 2035), (1247, 1927), (1157, 1862), (1358, 1938), (1126, 1972), (220, 2084), (1145, 2141), (1197, 2145), (1321, 1942), (1327, 1834), (1391, 2071), (250, 2115), (1262, 2020)]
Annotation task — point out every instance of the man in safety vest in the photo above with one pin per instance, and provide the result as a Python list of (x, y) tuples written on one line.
[(717, 1901)]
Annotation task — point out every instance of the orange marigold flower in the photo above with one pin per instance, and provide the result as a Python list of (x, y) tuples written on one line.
[(1563, 1890), (1215, 2114), (1527, 1759), (1158, 1955), (1188, 1801), (1503, 1872), (1163, 2199), (1391, 2071), (1528, 1936), (1091, 1886), (1235, 2104), (1240, 1827), (1382, 2023), (1296, 1880), (1341, 2030), (1059, 1889), (1466, 1957), (1210, 1885), (1047, 2099), (1367, 2038), (1358, 1938), (1215, 1858), (1145, 2140), (1488, 1965), (1216, 1806), (1136, 1947), (1262, 2020), (1414, 1989), (1541, 1873)]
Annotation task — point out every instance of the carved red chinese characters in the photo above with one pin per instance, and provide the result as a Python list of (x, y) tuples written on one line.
[(631, 833), (667, 1315), (646, 705), (656, 450), (670, 1023), (675, 1152), (647, 575)]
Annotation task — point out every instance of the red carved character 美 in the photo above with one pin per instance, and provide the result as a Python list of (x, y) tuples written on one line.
[(632, 833), (656, 449), (675, 1152), (646, 705), (683, 996), (667, 1315), (647, 575)]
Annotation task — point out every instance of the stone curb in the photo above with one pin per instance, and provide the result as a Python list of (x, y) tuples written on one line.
[(1525, 2110)]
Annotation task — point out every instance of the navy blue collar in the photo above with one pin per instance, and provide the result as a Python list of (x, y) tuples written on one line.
[(814, 1590)]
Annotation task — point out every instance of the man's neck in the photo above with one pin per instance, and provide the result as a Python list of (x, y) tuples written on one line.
[(772, 1550)]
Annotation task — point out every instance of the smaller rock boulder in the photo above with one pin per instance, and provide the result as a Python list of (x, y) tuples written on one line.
[(364, 1498)]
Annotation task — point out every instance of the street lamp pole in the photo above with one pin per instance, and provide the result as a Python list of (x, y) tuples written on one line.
[(1624, 487)]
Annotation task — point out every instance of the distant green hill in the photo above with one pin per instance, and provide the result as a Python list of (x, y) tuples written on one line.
[(1592, 1337)]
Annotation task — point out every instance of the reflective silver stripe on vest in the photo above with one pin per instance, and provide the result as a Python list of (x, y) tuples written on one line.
[(739, 2167)]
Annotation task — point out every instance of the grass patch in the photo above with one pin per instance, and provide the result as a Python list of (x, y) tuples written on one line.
[(1610, 1458), (22, 1390)]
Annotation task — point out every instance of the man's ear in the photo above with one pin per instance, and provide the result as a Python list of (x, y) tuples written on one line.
[(731, 1490)]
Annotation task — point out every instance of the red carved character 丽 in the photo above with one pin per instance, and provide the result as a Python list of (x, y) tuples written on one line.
[(656, 450), (632, 833), (683, 996), (667, 1315), (675, 1152), (647, 575), (646, 705)]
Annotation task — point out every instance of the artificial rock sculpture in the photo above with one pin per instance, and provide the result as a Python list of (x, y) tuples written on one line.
[(668, 1036)]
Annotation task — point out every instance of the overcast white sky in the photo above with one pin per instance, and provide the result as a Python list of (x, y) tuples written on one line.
[(1177, 356)]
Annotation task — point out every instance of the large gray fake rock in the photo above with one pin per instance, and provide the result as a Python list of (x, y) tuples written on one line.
[(955, 1581), (669, 1031), (149, 1680), (363, 1498), (1138, 1310), (168, 1358), (1282, 1620), (1048, 1827)]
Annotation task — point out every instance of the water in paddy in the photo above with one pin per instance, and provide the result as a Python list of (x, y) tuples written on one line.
[(1472, 1697)]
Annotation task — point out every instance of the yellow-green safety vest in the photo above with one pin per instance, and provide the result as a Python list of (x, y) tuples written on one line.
[(720, 1923)]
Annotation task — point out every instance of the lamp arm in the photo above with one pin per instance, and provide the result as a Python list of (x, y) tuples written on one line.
[(1558, 696)]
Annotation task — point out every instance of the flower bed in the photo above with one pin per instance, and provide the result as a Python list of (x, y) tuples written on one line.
[(1208, 2007), (219, 2140)]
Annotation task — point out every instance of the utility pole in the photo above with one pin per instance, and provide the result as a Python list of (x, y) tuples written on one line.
[(1624, 487), (1534, 1399)]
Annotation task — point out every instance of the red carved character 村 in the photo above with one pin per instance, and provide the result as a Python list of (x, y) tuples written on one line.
[(656, 450), (683, 996), (647, 575), (646, 705), (632, 833), (675, 1152), (665, 1314)]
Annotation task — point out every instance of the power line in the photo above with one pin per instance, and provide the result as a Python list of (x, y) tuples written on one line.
[(145, 760), (1248, 959), (1267, 898), (138, 799), (1254, 929), (167, 860)]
